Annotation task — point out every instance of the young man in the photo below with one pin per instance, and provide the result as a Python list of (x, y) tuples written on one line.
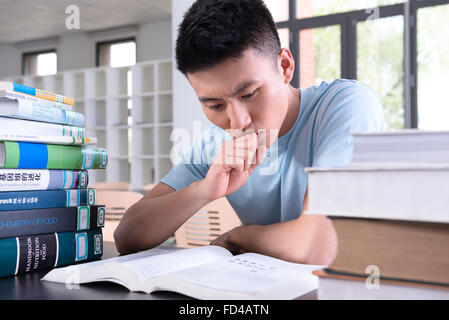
[(230, 52)]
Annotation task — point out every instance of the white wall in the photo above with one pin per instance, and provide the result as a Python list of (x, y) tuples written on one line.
[(77, 51), (187, 110)]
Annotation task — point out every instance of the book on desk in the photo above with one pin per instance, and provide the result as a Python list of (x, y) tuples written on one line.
[(48, 217), (207, 272), (389, 210)]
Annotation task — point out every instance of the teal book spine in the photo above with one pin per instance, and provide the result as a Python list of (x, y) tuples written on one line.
[(47, 251)]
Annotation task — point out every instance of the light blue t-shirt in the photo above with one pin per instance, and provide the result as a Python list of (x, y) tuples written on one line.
[(320, 137)]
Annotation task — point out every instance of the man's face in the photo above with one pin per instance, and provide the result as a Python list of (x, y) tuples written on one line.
[(243, 93)]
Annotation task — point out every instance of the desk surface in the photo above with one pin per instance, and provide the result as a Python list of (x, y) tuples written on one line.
[(29, 287)]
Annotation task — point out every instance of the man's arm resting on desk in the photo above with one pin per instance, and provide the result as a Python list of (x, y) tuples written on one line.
[(154, 218), (309, 239)]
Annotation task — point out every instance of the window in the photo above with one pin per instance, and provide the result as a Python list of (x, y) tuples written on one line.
[(433, 67), (39, 63), (320, 55), (398, 47), (312, 8), (380, 59), (119, 53)]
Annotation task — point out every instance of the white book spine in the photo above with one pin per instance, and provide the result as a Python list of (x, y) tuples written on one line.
[(62, 140), (36, 111), (401, 194), (25, 127), (26, 97)]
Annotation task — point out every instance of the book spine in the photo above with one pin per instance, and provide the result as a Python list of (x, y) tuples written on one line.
[(48, 220), (26, 155), (46, 251), (39, 112), (43, 94), (59, 140), (40, 199), (29, 179), (45, 103), (29, 127)]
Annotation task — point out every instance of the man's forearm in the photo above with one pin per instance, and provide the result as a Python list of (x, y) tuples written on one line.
[(310, 239), (151, 221)]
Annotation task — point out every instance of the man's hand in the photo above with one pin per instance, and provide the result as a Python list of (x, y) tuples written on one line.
[(233, 164), (225, 241)]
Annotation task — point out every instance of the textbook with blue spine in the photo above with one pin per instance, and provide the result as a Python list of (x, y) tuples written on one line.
[(27, 254), (39, 199), (39, 221)]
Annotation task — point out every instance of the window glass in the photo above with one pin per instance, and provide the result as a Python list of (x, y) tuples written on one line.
[(433, 67), (380, 58), (319, 55)]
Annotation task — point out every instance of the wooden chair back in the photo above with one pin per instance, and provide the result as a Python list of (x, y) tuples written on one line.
[(116, 202), (119, 185), (208, 223)]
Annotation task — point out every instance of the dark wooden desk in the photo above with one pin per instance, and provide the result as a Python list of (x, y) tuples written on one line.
[(30, 287)]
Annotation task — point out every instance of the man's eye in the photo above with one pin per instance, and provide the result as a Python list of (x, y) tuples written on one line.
[(249, 95), (217, 106)]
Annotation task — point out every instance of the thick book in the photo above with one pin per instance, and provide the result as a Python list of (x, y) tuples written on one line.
[(12, 86), (41, 199), (25, 109), (42, 179), (408, 146), (30, 127), (27, 254), (48, 220), (28, 155), (26, 97), (401, 250), (394, 192), (341, 286), (60, 140), (208, 272)]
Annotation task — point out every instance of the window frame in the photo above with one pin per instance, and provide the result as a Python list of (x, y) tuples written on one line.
[(36, 53), (110, 42), (348, 41)]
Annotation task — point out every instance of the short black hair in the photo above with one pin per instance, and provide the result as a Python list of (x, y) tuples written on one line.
[(213, 31)]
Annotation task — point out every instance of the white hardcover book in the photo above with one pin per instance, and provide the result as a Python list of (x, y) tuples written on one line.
[(208, 272), (29, 127), (416, 193), (26, 109), (62, 140), (34, 99), (402, 146)]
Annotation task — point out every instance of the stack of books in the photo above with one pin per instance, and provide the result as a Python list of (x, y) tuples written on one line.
[(48, 216), (389, 208)]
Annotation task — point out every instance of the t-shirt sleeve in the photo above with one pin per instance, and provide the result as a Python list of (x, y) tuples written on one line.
[(351, 107), (194, 161)]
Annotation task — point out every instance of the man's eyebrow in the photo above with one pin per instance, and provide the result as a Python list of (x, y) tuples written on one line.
[(243, 87), (239, 89)]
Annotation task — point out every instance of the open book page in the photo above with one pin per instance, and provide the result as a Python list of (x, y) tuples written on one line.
[(132, 270), (248, 275), (147, 267), (62, 274)]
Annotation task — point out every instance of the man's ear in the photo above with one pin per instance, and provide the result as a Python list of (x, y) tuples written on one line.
[(286, 65)]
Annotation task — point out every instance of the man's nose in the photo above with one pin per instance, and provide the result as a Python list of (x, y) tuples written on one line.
[(239, 116)]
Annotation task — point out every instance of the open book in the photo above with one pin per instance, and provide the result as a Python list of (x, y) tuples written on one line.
[(209, 272)]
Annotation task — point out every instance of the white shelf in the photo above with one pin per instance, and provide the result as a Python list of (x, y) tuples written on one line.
[(130, 112)]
